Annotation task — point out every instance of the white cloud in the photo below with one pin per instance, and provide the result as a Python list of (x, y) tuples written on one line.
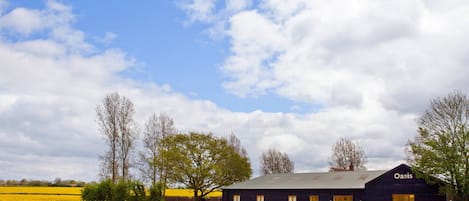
[(199, 10), (26, 21), (21, 20), (74, 39), (311, 53), (371, 68), (108, 38), (249, 66), (279, 10), (238, 5)]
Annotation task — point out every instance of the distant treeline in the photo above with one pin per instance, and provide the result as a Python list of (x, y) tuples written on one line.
[(57, 183)]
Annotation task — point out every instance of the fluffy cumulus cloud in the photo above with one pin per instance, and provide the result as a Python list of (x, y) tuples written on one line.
[(51, 79), (341, 53), (49, 85), (373, 66)]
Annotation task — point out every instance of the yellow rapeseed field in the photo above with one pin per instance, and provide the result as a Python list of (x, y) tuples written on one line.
[(188, 193), (36, 197), (40, 193), (23, 193), (40, 190)]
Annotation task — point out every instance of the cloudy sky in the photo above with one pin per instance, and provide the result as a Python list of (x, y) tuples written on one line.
[(295, 75)]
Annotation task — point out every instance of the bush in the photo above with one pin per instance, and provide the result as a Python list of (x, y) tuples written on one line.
[(107, 191), (155, 192), (89, 192), (120, 192), (138, 191)]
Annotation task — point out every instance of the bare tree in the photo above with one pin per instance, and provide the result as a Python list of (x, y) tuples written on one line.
[(347, 156), (274, 161), (108, 126), (236, 143), (153, 168), (116, 123), (128, 134)]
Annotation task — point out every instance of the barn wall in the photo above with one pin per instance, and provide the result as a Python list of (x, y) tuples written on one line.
[(174, 198), (401, 180), (282, 195)]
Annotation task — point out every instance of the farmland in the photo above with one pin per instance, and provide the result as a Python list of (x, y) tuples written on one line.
[(40, 193), (68, 193)]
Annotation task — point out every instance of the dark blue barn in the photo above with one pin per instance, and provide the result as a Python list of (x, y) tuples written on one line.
[(398, 184)]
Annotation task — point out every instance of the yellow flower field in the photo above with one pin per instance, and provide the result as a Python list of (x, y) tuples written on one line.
[(69, 193), (40, 193), (187, 193), (40, 190), (37, 197)]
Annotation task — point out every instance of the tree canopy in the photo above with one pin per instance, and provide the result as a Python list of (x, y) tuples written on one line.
[(347, 155), (440, 151), (203, 162), (274, 161)]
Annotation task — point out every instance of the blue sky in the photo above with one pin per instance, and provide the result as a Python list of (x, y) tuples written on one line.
[(295, 75), (169, 49)]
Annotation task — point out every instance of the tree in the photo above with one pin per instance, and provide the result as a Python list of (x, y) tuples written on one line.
[(203, 162), (273, 161), (152, 168), (116, 123), (347, 156), (236, 143), (440, 151)]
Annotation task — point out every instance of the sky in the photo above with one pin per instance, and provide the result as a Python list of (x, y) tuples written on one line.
[(294, 75)]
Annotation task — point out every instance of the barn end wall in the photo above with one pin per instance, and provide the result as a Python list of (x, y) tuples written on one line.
[(401, 180)]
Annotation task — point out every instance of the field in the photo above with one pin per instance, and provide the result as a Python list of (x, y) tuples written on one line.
[(68, 193), (40, 193), (188, 193)]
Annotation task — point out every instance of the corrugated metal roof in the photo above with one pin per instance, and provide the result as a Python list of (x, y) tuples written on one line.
[(323, 180)]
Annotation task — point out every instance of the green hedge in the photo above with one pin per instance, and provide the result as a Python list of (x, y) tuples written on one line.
[(122, 191)]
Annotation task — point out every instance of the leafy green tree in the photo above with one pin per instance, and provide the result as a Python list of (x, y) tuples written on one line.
[(204, 163), (440, 151)]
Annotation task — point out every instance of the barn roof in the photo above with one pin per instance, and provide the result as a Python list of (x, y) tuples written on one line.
[(321, 180)]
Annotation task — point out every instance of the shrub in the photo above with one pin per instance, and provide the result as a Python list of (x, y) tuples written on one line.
[(155, 192), (107, 191), (138, 191)]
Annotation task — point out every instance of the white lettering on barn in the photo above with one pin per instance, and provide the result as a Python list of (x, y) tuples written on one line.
[(403, 176)]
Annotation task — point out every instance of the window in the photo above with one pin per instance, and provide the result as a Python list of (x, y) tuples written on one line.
[(236, 198), (292, 198), (343, 198), (403, 197), (313, 198), (259, 197)]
